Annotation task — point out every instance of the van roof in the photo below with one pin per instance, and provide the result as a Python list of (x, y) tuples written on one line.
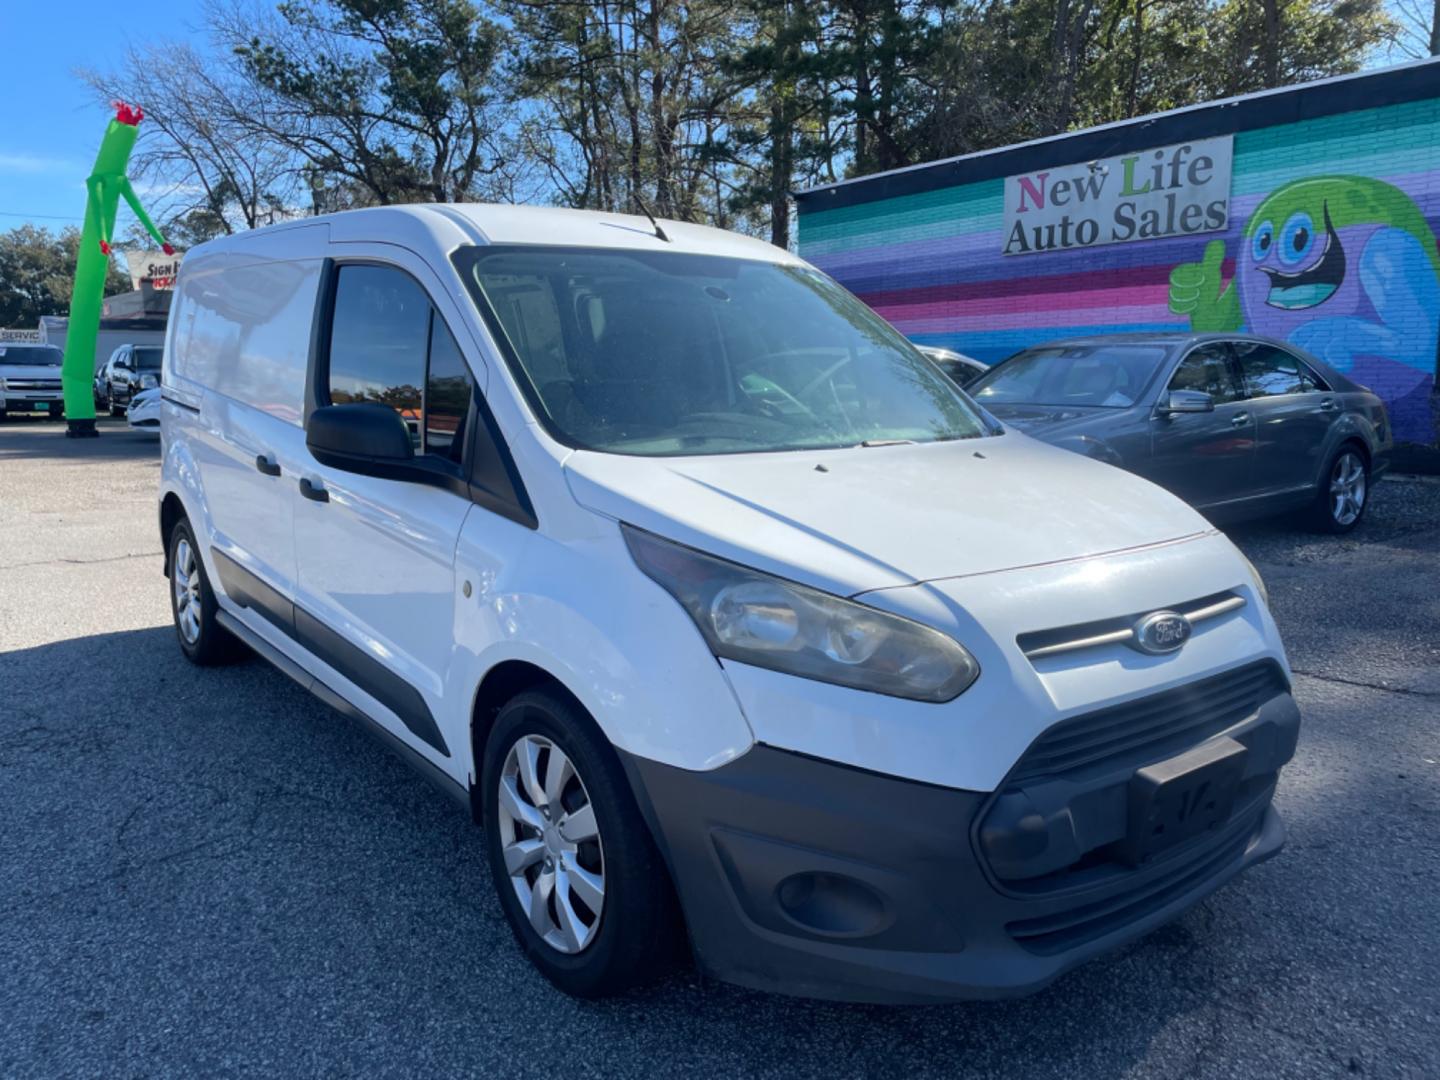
[(450, 225)]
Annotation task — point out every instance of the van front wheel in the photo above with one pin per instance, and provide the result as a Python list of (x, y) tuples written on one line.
[(192, 603), (579, 877)]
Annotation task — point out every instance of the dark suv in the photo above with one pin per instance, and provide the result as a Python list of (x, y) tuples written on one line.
[(130, 369)]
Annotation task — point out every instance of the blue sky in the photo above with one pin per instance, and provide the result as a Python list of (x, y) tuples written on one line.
[(53, 124)]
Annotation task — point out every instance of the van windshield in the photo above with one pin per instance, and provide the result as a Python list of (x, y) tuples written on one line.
[(669, 353)]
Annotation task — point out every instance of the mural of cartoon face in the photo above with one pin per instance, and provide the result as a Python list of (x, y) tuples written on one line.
[(1346, 267)]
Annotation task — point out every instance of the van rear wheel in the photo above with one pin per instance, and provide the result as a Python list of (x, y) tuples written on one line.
[(581, 882)]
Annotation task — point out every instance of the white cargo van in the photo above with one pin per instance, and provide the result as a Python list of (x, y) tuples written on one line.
[(740, 629)]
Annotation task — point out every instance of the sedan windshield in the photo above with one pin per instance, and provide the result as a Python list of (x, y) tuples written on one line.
[(1098, 376), (41, 355), (669, 353), (148, 357)]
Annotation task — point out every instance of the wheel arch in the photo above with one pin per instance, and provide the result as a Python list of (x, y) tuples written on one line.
[(172, 509), (500, 683)]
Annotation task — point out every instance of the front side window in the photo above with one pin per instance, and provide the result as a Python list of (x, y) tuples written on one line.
[(389, 346), (669, 353), (1083, 376), (1208, 370), (1269, 371)]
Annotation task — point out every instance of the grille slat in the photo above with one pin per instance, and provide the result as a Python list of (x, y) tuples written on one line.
[(1144, 726), (1198, 709)]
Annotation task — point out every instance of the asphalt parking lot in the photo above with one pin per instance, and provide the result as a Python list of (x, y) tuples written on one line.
[(210, 873)]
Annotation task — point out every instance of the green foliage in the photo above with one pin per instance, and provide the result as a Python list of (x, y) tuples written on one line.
[(704, 110), (394, 97), (37, 269)]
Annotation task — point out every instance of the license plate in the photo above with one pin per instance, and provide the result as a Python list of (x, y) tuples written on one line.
[(1177, 800)]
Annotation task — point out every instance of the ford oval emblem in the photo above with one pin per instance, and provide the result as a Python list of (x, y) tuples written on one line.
[(1161, 632)]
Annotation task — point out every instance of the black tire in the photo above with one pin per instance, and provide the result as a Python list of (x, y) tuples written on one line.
[(637, 934), (117, 410), (211, 643), (1347, 470)]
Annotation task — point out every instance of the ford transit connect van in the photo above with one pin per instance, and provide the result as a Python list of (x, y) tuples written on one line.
[(740, 630)]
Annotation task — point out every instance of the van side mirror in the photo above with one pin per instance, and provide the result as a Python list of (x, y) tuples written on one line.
[(362, 438), (1187, 401)]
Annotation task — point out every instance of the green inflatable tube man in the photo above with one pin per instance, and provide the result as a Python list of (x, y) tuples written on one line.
[(105, 186)]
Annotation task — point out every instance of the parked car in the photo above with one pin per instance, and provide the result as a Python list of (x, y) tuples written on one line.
[(143, 413), (739, 628), (962, 369), (30, 379), (130, 369), (1238, 426)]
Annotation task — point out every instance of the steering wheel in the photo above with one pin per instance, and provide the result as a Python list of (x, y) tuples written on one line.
[(820, 380)]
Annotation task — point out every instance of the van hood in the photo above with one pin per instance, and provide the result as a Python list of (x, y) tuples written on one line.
[(858, 519)]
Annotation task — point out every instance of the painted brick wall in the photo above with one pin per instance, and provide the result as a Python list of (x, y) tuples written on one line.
[(931, 262)]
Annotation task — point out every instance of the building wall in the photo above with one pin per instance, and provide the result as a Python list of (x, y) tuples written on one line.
[(931, 263)]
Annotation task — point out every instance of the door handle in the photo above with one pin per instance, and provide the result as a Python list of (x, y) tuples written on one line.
[(1327, 405), (313, 492), (266, 464), (1240, 418)]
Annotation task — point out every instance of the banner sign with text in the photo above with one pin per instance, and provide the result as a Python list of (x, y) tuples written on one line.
[(154, 268), (1178, 190)]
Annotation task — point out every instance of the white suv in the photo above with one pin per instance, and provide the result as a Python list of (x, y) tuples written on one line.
[(738, 627)]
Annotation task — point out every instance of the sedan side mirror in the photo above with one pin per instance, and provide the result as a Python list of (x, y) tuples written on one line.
[(1187, 401), (363, 438)]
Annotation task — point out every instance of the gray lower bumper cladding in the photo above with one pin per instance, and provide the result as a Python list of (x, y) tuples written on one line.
[(804, 877)]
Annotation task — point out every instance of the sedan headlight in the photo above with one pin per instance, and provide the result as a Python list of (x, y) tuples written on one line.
[(148, 382), (769, 622)]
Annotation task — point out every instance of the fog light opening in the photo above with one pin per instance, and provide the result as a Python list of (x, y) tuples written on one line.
[(832, 905)]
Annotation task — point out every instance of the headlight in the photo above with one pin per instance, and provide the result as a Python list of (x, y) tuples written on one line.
[(769, 622), (1259, 581), (148, 382)]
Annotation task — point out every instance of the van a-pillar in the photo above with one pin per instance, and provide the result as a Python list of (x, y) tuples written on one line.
[(104, 187)]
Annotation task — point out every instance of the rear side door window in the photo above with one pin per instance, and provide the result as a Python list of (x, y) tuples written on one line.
[(389, 346), (1208, 369), (1270, 371)]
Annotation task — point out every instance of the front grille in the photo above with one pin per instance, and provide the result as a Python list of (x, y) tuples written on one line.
[(32, 385), (1120, 629), (1075, 926), (1151, 728)]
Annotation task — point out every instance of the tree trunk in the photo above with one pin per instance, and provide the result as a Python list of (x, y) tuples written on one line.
[(1270, 56)]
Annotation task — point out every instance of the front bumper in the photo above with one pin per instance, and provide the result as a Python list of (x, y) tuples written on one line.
[(38, 401), (805, 877)]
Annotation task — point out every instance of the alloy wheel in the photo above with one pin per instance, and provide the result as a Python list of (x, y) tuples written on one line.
[(185, 579), (1347, 488), (551, 843)]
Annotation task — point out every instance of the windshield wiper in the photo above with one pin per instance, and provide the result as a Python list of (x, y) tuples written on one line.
[(886, 442)]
